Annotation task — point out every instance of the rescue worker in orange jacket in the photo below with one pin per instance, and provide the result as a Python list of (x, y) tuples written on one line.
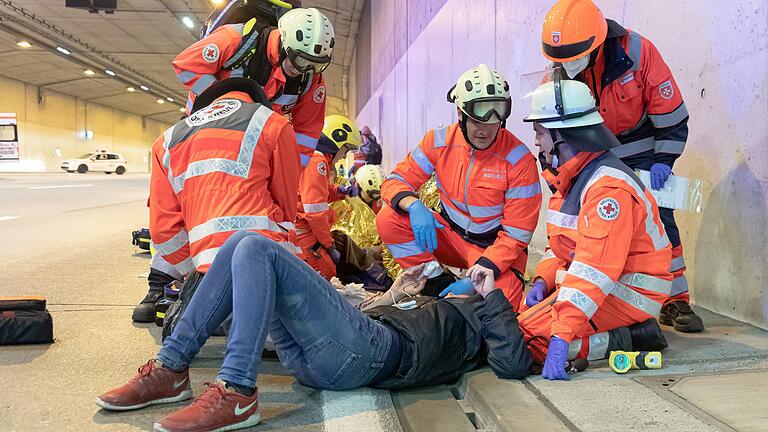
[(641, 104), (286, 61), (369, 178), (232, 165), (317, 190), (488, 186), (605, 235)]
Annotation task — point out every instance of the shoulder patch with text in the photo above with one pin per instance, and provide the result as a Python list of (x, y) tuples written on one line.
[(608, 209)]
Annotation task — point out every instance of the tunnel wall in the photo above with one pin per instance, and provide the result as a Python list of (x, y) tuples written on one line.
[(61, 121), (717, 52)]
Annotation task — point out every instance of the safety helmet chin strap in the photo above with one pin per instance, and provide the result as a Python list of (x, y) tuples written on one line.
[(463, 126)]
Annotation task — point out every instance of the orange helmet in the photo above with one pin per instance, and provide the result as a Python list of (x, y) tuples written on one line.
[(572, 29)]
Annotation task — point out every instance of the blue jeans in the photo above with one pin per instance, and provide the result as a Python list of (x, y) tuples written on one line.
[(323, 340)]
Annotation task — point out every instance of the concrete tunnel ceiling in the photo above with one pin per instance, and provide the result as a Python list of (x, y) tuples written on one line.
[(137, 44)]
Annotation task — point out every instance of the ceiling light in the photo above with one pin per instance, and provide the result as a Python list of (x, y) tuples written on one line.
[(160, 101), (131, 89), (217, 2), (63, 50), (89, 72), (169, 99), (182, 110), (24, 44), (143, 87), (109, 72), (188, 22)]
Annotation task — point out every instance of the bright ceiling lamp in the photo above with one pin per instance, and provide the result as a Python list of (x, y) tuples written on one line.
[(24, 44), (131, 89), (89, 72), (188, 22), (143, 87), (109, 72), (169, 99), (181, 109), (160, 101), (217, 2), (63, 50)]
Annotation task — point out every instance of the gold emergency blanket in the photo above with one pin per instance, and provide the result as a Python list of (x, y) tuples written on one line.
[(358, 221)]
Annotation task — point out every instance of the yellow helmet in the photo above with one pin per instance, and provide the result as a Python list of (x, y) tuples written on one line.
[(370, 178), (341, 131)]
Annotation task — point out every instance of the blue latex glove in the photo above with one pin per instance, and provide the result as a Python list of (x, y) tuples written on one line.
[(557, 357), (460, 287), (423, 224), (537, 293), (352, 190), (659, 175)]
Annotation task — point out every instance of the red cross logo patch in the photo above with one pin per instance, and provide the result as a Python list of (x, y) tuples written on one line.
[(666, 90), (211, 53), (556, 38), (608, 209)]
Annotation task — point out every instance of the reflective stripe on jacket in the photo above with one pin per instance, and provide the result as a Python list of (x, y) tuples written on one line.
[(316, 192), (230, 166)]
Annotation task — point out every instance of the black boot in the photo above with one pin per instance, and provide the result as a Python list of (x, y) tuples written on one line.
[(680, 315), (647, 336), (145, 311)]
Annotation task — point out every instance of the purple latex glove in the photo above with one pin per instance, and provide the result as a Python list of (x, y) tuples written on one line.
[(460, 287), (537, 293), (557, 357), (659, 175)]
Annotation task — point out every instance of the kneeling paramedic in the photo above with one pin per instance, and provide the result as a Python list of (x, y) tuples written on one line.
[(488, 187), (233, 164), (641, 104), (322, 339), (317, 190), (287, 61), (606, 239)]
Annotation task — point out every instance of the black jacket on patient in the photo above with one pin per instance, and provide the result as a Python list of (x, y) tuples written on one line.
[(443, 339)]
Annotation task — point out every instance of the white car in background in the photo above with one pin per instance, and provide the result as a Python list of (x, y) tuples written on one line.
[(97, 161)]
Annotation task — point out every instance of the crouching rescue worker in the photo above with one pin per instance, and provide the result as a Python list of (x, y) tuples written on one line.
[(641, 104), (605, 235), (488, 187), (233, 164), (317, 190), (322, 339), (287, 61)]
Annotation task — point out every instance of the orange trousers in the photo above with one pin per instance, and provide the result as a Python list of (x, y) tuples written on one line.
[(591, 342), (452, 250)]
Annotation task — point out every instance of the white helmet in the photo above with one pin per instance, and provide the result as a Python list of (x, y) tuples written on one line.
[(562, 104), (370, 178), (482, 93), (308, 39)]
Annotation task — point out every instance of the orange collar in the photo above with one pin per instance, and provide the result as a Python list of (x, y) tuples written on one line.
[(565, 173), (273, 55)]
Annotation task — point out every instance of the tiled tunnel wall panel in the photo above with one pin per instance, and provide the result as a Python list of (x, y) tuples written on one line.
[(718, 54)]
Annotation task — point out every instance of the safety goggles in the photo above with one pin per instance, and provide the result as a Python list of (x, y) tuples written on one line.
[(483, 110), (305, 63)]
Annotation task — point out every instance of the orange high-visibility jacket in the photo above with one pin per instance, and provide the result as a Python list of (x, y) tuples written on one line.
[(491, 197), (230, 166), (209, 60), (638, 98), (605, 230), (316, 191)]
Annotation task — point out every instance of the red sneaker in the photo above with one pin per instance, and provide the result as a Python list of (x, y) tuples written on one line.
[(152, 385), (218, 409)]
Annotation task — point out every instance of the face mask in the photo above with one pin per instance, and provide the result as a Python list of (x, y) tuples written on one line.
[(575, 67)]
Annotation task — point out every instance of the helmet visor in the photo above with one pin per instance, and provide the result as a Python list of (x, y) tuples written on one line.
[(485, 109), (530, 82), (305, 63)]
